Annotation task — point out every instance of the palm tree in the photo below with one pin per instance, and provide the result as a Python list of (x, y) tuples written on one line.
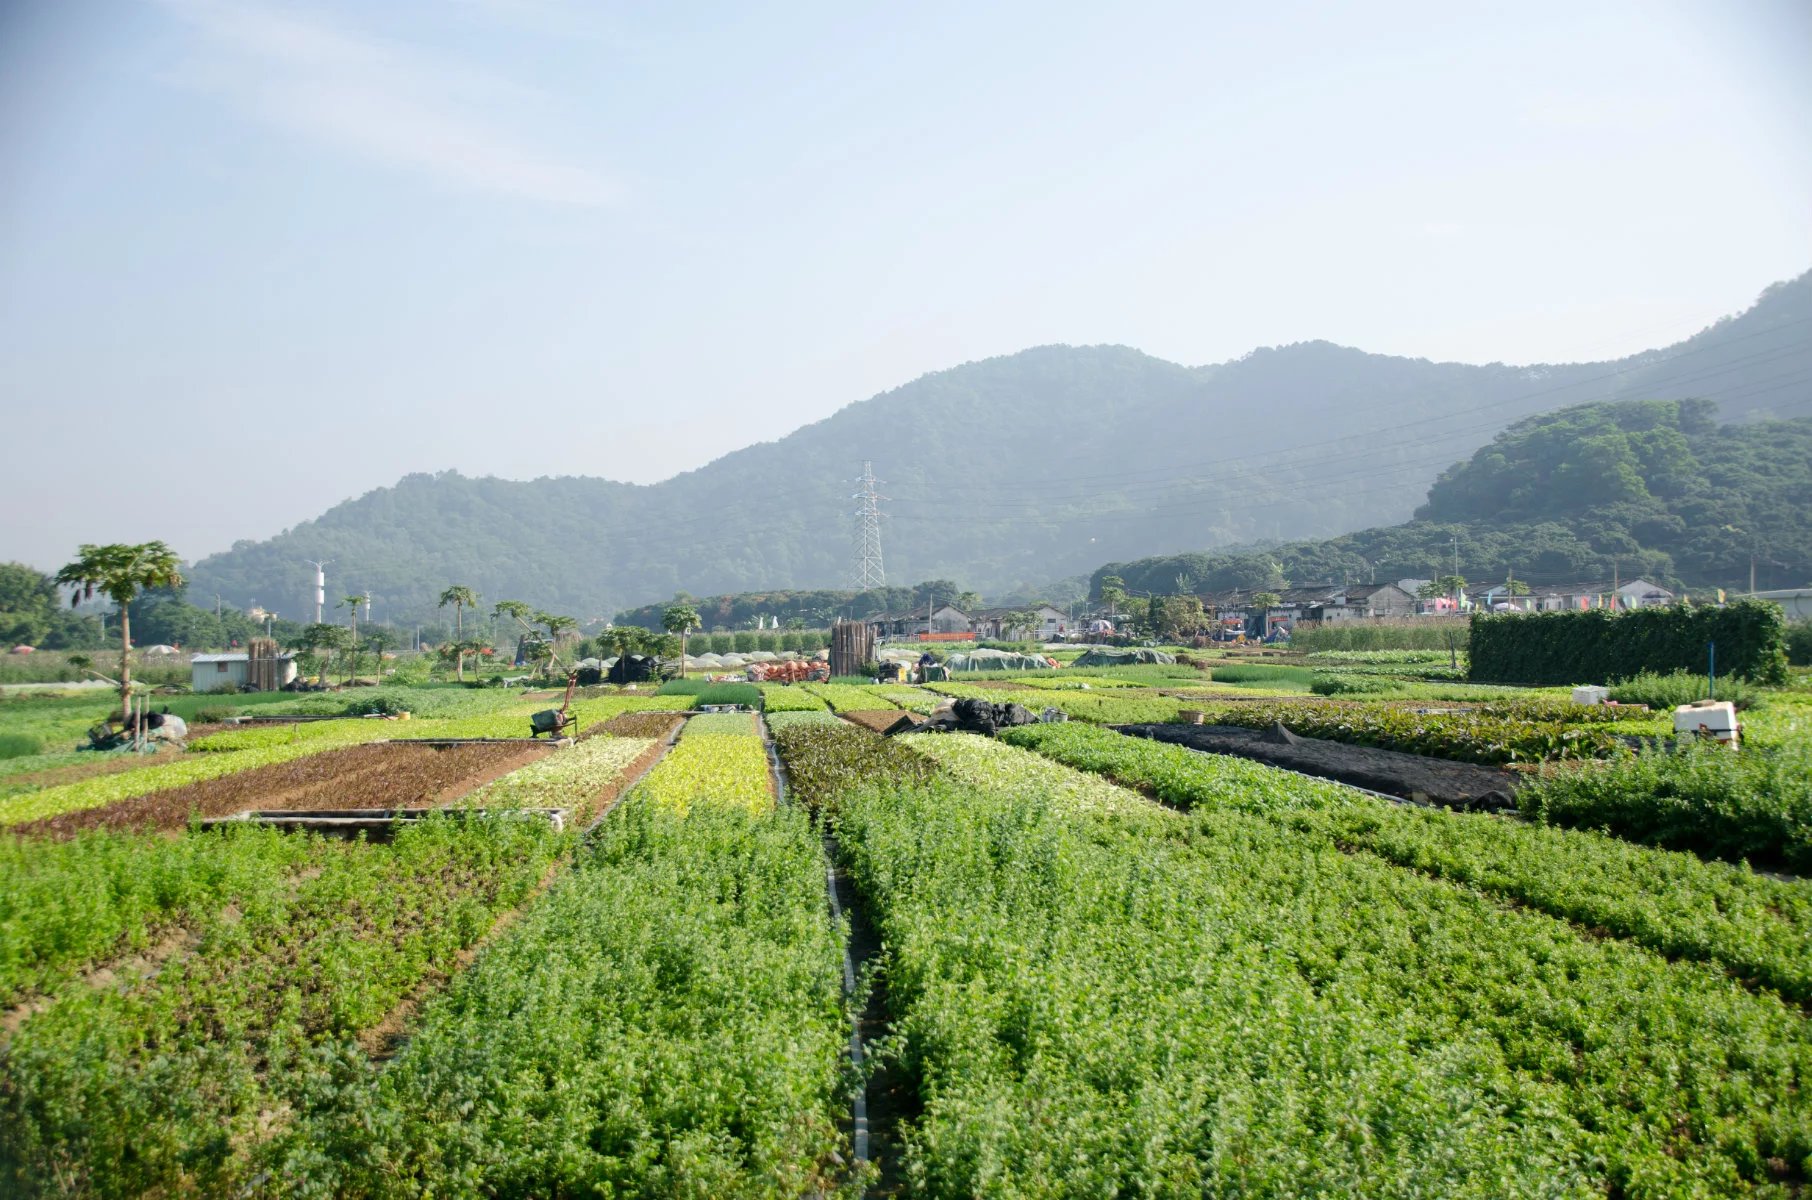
[(459, 596), (378, 641), (555, 624), (352, 603), (119, 572), (678, 619), (512, 608)]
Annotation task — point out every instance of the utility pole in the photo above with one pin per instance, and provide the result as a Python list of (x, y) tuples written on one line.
[(869, 572), (1752, 574), (217, 604), (320, 585)]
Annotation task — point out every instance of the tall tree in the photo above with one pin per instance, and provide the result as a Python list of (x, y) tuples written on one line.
[(625, 640), (324, 639), (680, 619), (1113, 594), (119, 572), (28, 604), (459, 596), (516, 610), (378, 640), (555, 624)]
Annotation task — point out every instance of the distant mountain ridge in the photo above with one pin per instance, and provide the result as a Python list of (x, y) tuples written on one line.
[(1650, 488), (1006, 472)]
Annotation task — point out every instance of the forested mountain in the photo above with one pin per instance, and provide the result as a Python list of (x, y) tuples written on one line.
[(1004, 473), (1650, 488)]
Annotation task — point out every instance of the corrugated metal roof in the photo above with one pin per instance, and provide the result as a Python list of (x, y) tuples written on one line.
[(240, 657)]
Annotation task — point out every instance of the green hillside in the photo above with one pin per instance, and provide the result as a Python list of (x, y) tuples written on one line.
[(1652, 488)]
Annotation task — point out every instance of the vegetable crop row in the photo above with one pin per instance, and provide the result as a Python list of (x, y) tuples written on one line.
[(298, 945), (720, 724), (165, 1083), (1116, 1003), (1754, 803), (789, 718), (721, 769), (668, 1021), (914, 699), (824, 760), (789, 697), (66, 905), (1001, 769), (1676, 904), (844, 697), (572, 779), (1468, 736)]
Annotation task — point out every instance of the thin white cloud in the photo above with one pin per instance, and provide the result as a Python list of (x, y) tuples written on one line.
[(387, 103)]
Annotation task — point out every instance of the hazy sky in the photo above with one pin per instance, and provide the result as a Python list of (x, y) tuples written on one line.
[(258, 258)]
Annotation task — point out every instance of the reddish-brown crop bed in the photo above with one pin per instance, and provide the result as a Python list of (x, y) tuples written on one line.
[(394, 775), (879, 720), (657, 725)]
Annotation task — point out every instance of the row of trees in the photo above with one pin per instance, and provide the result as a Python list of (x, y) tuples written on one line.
[(799, 609)]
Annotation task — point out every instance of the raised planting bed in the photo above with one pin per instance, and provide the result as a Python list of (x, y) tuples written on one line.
[(658, 725), (879, 720), (1393, 772), (377, 775)]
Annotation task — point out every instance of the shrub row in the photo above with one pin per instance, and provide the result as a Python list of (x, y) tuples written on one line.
[(1600, 646), (1753, 804), (1674, 903), (1111, 1004)]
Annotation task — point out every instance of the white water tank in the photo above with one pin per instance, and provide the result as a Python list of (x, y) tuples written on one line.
[(1707, 718), (1591, 695)]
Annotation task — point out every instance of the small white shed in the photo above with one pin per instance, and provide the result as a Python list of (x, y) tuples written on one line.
[(209, 671)]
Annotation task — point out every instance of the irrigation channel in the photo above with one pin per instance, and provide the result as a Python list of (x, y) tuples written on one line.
[(861, 941)]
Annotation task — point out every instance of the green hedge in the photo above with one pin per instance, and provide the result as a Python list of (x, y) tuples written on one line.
[(1599, 646), (1799, 643)]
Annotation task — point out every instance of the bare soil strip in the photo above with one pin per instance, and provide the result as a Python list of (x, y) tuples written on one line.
[(878, 720)]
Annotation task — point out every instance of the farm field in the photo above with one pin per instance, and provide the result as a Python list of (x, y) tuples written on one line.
[(1193, 973)]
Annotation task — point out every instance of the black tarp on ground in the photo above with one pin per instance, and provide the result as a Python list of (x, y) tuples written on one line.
[(1411, 776)]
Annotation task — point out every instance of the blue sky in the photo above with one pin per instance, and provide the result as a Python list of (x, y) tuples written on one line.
[(258, 258)]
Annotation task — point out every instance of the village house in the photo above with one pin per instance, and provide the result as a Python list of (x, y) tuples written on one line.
[(999, 624), (906, 626), (1317, 603)]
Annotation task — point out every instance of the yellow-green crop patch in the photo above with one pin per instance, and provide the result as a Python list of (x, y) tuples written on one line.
[(996, 767), (721, 770)]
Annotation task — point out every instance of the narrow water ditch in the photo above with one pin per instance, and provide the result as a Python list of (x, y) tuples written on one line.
[(881, 1103)]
